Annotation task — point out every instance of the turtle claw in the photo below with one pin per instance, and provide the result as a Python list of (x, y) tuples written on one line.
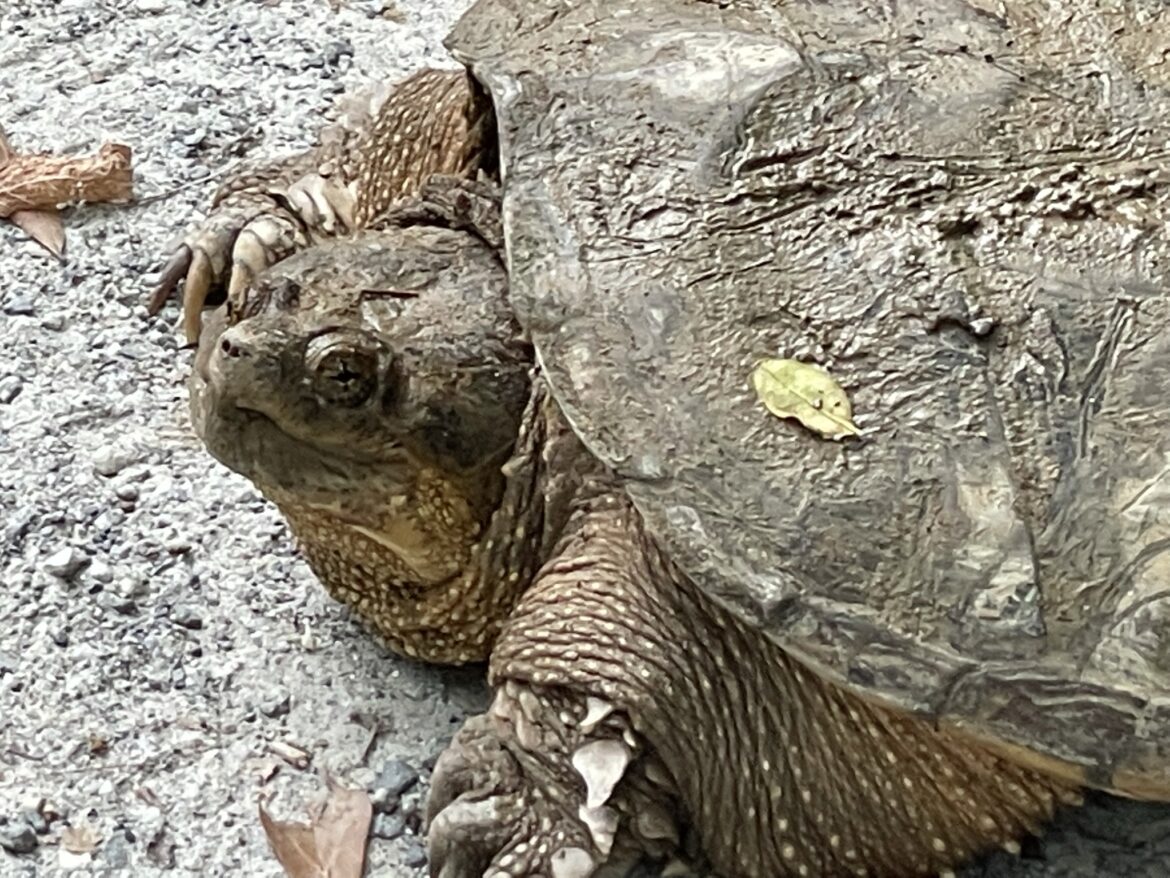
[(199, 278), (489, 818), (173, 270), (247, 231), (322, 203), (261, 243)]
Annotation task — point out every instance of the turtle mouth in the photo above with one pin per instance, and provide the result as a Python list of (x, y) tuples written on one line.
[(256, 446)]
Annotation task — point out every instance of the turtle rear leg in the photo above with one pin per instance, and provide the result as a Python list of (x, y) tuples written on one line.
[(388, 143)]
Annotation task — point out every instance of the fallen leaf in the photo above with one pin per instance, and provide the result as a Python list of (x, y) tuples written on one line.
[(44, 227), (32, 187), (331, 845), (806, 392), (80, 839), (98, 744)]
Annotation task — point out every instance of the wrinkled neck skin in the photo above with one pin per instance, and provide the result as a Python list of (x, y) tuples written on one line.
[(477, 571)]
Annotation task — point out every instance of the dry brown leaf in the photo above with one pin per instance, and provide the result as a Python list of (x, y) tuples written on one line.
[(81, 839), (44, 227), (32, 187), (40, 181), (331, 845)]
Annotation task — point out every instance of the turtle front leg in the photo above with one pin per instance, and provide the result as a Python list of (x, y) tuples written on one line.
[(712, 736), (390, 141)]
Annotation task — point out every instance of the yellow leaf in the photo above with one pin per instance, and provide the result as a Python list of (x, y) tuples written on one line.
[(792, 389)]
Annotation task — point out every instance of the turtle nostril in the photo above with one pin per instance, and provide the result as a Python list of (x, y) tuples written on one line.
[(229, 349)]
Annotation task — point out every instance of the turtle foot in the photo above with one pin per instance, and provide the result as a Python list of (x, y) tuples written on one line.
[(250, 228), (545, 784)]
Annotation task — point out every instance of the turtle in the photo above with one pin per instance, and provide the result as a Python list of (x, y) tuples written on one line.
[(490, 350)]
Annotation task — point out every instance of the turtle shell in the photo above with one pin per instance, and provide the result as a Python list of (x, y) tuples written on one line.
[(962, 217)]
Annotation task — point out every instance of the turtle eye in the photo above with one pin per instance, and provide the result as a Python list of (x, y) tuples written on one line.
[(343, 372)]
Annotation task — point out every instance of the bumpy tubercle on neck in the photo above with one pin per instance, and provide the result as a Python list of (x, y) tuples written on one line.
[(457, 619)]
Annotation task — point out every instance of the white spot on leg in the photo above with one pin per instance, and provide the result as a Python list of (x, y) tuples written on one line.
[(572, 863)]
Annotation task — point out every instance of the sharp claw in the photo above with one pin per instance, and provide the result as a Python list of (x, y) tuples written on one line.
[(302, 199), (195, 290), (467, 834), (251, 255), (329, 206), (172, 272)]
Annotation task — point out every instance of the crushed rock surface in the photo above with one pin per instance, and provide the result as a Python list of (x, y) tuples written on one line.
[(161, 644)]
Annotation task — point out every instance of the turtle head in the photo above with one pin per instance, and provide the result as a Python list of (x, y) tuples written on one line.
[(372, 388)]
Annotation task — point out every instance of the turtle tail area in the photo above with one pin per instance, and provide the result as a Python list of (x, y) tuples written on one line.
[(773, 770)]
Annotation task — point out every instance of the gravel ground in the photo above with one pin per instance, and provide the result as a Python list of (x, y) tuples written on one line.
[(159, 638)]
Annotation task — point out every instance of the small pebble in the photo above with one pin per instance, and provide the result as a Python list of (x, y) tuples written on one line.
[(116, 850), (415, 854), (394, 779), (129, 493), (388, 826), (276, 704), (186, 616), (35, 819), (109, 461), (18, 837), (10, 388), (65, 563), (20, 306), (100, 571)]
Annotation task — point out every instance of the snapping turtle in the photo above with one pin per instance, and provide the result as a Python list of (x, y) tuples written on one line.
[(715, 635)]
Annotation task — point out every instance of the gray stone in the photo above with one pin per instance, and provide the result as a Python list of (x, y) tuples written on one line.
[(34, 818), (18, 837), (100, 571), (388, 826), (187, 616), (415, 854), (109, 460), (276, 704), (65, 563), (10, 388), (20, 306), (116, 850), (394, 779)]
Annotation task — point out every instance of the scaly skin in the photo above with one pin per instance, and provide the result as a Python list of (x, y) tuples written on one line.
[(775, 771), (436, 489), (388, 143)]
